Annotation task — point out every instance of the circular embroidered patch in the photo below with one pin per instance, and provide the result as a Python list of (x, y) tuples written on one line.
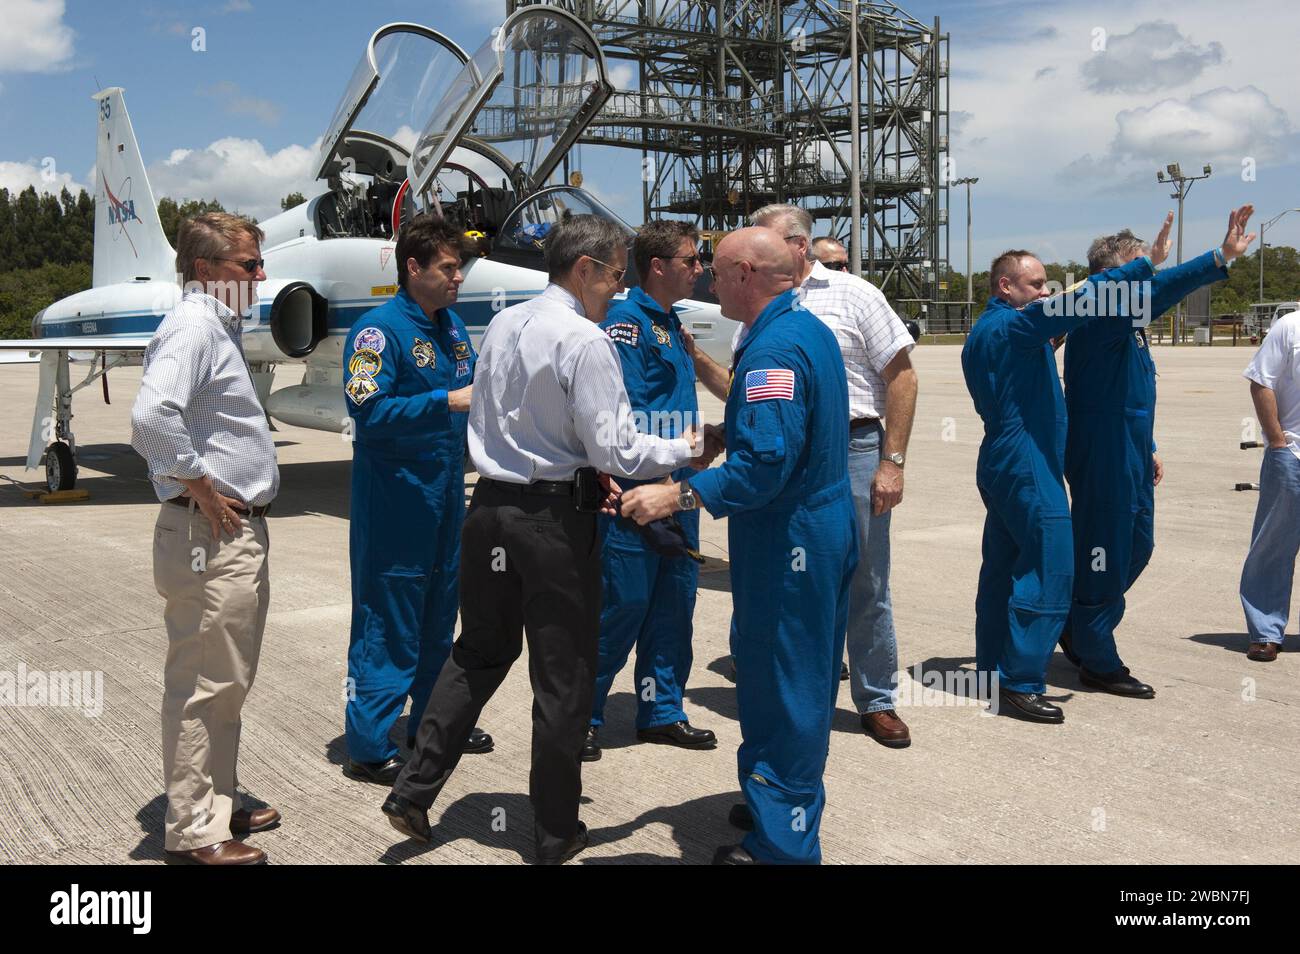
[(369, 339), (366, 362)]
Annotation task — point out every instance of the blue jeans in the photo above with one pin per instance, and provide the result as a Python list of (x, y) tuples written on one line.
[(1270, 564), (873, 653)]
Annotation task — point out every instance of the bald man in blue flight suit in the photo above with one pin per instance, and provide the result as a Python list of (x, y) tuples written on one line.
[(649, 599), (792, 539), (1110, 453), (408, 365)]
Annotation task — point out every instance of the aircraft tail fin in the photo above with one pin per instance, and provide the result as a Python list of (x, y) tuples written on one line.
[(129, 239)]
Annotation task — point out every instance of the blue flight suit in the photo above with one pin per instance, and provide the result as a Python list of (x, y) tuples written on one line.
[(408, 504), (793, 541), (1110, 394), (1028, 561), (649, 599)]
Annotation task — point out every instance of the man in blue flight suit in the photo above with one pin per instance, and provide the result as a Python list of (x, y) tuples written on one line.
[(1010, 371), (792, 538), (1110, 453), (649, 599), (408, 365)]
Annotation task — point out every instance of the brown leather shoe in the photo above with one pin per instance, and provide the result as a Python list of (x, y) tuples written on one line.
[(1262, 652), (223, 853), (887, 728), (244, 822)]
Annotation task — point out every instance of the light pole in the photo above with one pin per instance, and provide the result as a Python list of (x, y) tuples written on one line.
[(1262, 246), (970, 275), (1182, 185)]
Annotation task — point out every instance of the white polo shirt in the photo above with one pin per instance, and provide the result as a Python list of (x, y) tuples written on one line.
[(1276, 366)]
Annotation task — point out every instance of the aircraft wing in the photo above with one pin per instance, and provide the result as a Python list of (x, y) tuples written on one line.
[(78, 343)]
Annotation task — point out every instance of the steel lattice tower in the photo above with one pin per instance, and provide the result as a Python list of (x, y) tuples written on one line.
[(739, 103)]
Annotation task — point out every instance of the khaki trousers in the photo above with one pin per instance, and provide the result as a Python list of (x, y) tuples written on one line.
[(217, 596)]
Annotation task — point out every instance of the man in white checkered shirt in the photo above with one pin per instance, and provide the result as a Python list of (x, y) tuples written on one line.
[(199, 426), (882, 387)]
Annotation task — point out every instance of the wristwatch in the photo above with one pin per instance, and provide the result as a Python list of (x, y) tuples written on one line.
[(896, 460), (686, 499)]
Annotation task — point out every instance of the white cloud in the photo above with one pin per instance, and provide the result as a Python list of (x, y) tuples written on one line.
[(1155, 55), (17, 176), (238, 173), (623, 76), (34, 38), (1218, 125)]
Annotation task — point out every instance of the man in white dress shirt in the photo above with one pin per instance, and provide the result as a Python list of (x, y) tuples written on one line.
[(199, 426), (548, 411)]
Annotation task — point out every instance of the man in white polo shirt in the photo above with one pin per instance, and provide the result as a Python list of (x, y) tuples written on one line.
[(1266, 578)]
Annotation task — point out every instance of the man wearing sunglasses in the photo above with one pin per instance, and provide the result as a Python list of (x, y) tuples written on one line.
[(875, 345), (202, 431), (831, 253), (649, 599), (407, 370)]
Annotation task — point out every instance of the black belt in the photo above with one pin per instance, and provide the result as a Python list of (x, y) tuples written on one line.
[(252, 512), (548, 488), (860, 422)]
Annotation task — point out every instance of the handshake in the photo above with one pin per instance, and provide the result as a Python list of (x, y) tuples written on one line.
[(651, 502), (706, 443)]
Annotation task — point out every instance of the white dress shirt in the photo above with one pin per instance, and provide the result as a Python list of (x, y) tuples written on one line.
[(549, 398), (1276, 366), (197, 412), (869, 332)]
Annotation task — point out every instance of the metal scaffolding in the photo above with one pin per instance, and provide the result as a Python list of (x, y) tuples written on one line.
[(738, 103)]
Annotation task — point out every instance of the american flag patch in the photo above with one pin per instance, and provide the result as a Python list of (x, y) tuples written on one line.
[(771, 383)]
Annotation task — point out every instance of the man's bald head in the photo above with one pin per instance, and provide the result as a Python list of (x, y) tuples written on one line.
[(751, 266)]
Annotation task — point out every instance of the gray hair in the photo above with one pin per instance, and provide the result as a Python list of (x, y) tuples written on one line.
[(1111, 251), (206, 236), (579, 235), (789, 217)]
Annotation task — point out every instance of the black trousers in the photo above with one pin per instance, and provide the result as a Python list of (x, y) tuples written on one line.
[(529, 563)]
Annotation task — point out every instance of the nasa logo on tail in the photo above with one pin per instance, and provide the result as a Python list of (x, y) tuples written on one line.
[(121, 211)]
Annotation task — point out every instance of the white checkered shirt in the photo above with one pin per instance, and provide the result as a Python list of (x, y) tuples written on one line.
[(869, 332), (197, 412)]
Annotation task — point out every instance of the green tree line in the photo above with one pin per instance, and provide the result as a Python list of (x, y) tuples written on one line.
[(47, 247)]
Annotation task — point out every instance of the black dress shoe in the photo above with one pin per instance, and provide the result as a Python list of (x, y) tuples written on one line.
[(844, 671), (377, 773), (478, 742), (574, 845), (733, 855), (741, 817), (682, 734), (407, 817), (591, 746), (1029, 705), (1067, 645), (1118, 683)]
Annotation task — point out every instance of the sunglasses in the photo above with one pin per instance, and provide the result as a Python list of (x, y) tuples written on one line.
[(618, 273), (250, 265), (690, 260), (837, 266)]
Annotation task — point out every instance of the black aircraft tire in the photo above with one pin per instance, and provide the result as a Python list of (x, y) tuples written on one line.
[(60, 467)]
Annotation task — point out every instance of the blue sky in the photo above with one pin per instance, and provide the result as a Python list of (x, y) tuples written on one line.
[(1065, 138)]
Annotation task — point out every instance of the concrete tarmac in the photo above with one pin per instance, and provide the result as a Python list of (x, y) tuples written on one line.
[(1207, 772)]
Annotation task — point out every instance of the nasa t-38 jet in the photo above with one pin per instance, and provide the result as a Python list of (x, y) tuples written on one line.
[(417, 115)]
